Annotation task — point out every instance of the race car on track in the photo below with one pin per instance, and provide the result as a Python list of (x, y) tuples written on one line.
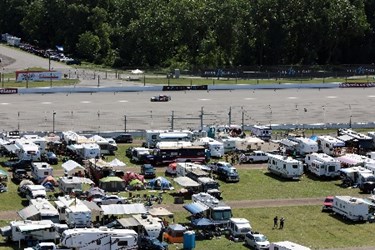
[(161, 98)]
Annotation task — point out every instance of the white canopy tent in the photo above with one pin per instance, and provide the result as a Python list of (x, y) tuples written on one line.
[(71, 167)]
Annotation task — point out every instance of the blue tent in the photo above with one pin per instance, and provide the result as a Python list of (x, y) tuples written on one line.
[(159, 183)]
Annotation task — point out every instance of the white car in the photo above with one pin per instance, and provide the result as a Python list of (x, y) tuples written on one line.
[(110, 199), (257, 241)]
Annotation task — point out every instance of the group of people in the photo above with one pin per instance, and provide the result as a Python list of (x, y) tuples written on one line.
[(276, 222)]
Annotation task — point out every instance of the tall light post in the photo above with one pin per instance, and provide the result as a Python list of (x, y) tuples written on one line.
[(53, 121)]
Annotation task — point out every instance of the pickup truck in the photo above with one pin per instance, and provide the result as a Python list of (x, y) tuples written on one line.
[(255, 157), (45, 246)]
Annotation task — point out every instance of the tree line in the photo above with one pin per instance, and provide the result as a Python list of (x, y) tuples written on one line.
[(194, 34)]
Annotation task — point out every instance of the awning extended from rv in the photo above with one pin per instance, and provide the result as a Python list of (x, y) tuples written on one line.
[(34, 227), (128, 222), (345, 138), (288, 143), (195, 208), (28, 212), (349, 160), (12, 148), (124, 209), (186, 182)]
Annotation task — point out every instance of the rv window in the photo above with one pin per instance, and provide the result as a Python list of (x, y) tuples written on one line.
[(276, 248), (153, 137), (122, 243), (46, 173), (273, 162), (295, 166), (98, 242), (284, 166)]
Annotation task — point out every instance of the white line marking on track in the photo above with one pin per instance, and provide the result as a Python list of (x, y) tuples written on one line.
[(85, 102), (292, 97), (331, 97), (204, 99), (371, 96), (45, 102), (249, 98), (4, 103), (123, 101)]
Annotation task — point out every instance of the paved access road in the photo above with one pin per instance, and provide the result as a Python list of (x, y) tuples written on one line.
[(105, 111)]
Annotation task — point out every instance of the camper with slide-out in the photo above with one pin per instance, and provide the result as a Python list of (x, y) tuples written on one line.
[(40, 170), (323, 165), (285, 166), (330, 145), (287, 245), (352, 208)]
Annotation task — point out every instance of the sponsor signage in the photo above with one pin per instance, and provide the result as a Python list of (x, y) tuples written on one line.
[(8, 91), (38, 76), (193, 87)]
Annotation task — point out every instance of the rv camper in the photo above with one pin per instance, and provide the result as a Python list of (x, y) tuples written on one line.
[(100, 239), (34, 191), (284, 166), (155, 136), (37, 140), (323, 165), (27, 150), (78, 215), (330, 145), (44, 209), (262, 132), (68, 184), (287, 245), (355, 209), (216, 148), (106, 147), (40, 170), (86, 150), (305, 145)]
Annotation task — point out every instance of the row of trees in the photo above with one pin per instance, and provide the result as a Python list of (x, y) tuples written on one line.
[(198, 33)]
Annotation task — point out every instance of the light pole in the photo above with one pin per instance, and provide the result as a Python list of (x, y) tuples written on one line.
[(53, 121)]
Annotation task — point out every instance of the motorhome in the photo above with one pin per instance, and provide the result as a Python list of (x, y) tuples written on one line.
[(330, 145), (106, 147), (355, 209), (351, 176), (150, 226), (284, 166), (78, 215), (166, 155), (27, 150), (287, 245), (238, 227), (230, 143), (322, 165), (216, 148), (39, 141), (210, 207), (155, 136), (305, 145), (262, 132), (40, 170), (100, 239), (43, 230)]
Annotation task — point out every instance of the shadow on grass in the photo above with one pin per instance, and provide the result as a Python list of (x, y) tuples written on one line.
[(12, 245), (279, 178), (318, 178), (346, 220)]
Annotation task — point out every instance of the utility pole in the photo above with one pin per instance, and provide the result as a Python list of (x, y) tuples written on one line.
[(243, 120), (125, 123), (172, 120), (201, 116), (230, 116), (53, 121)]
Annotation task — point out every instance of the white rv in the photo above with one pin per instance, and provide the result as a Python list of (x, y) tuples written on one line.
[(287, 245), (35, 191), (262, 132), (39, 141), (43, 230), (78, 215), (216, 148), (155, 136), (100, 239), (69, 183), (355, 209), (106, 147), (183, 168), (284, 166), (27, 150), (305, 145), (330, 145), (86, 150), (239, 227), (40, 170), (46, 210), (323, 165), (152, 226)]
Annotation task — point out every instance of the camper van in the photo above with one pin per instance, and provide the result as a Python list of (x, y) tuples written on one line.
[(284, 166), (330, 145), (262, 132), (355, 209), (322, 165), (40, 170), (239, 227), (101, 238), (287, 245), (216, 148)]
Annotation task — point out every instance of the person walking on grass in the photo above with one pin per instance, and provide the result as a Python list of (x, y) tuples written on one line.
[(282, 223), (275, 220)]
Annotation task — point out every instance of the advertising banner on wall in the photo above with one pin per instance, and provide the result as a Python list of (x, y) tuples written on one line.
[(37, 76), (6, 91)]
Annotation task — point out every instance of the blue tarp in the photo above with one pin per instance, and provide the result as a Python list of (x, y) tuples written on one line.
[(195, 208)]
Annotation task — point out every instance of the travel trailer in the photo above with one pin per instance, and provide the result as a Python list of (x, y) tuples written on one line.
[(150, 226), (43, 230), (71, 137), (35, 191), (210, 207), (239, 227), (78, 215), (330, 145), (322, 165), (86, 150), (355, 209), (37, 140), (287, 245), (155, 136), (355, 139), (27, 150), (106, 147), (305, 145), (262, 132), (216, 148), (284, 166), (100, 239), (40, 170), (69, 183), (42, 208)]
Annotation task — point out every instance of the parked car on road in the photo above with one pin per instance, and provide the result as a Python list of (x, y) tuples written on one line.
[(148, 171), (255, 157), (160, 98), (110, 199)]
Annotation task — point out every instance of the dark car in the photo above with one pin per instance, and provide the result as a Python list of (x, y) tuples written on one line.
[(149, 243), (50, 158), (124, 138), (129, 152), (148, 171), (73, 62), (20, 164), (160, 98), (19, 174)]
